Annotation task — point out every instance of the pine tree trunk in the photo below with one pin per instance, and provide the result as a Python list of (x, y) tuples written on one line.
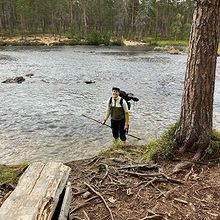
[(195, 125)]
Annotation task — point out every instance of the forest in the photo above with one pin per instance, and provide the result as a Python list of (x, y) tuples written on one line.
[(129, 19)]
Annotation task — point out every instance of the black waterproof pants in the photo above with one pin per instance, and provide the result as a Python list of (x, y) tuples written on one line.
[(118, 129)]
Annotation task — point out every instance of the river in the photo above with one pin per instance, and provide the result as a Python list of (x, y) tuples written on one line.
[(41, 118)]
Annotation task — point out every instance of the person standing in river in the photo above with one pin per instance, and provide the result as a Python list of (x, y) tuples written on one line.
[(118, 109)]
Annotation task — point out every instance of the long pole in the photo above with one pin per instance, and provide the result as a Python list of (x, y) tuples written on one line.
[(108, 126)]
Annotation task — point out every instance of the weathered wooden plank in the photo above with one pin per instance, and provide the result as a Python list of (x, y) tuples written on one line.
[(64, 212), (24, 187), (37, 193)]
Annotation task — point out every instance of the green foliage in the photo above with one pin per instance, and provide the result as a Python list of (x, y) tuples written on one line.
[(123, 18), (8, 174), (2, 43), (117, 144), (185, 31), (72, 32), (117, 42), (76, 41), (164, 146), (102, 167), (106, 39), (151, 42), (98, 38), (213, 149), (177, 25)]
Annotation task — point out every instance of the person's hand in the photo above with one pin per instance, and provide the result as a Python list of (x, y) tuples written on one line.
[(126, 129), (103, 122)]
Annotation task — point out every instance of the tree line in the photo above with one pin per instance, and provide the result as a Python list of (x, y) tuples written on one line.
[(131, 19)]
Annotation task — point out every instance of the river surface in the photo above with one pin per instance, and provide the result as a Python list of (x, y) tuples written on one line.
[(41, 118)]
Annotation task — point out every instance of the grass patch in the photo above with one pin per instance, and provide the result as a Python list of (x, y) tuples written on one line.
[(218, 52), (154, 42), (125, 152), (9, 174), (163, 147)]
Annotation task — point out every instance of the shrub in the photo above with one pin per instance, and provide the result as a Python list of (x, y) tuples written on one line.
[(116, 42), (97, 38), (163, 147)]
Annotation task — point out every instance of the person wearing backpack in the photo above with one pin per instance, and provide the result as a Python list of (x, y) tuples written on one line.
[(128, 97), (117, 108)]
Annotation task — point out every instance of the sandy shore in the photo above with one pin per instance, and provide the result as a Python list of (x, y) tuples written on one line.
[(48, 39), (133, 43), (41, 39)]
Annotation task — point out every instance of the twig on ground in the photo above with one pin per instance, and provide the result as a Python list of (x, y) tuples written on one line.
[(83, 204), (147, 184), (118, 160), (140, 166), (180, 200), (140, 174), (106, 174), (105, 217), (153, 175), (153, 217), (74, 217), (98, 194), (87, 217), (188, 174), (95, 160), (79, 193), (79, 177), (161, 193), (171, 179), (201, 200)]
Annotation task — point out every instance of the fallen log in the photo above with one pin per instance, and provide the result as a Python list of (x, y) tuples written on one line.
[(41, 194)]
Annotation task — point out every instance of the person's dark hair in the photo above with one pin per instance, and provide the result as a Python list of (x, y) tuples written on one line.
[(116, 89)]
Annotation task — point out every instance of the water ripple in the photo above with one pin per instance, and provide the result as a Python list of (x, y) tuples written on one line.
[(41, 119)]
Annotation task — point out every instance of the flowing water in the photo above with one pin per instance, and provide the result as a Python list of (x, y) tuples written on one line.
[(41, 118)]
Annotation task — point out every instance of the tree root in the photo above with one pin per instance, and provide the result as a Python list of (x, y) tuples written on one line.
[(98, 194)]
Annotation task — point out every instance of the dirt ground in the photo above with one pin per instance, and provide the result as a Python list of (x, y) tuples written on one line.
[(119, 185)]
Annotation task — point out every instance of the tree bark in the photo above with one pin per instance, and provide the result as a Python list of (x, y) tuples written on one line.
[(195, 125)]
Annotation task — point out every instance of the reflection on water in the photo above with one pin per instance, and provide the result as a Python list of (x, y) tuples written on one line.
[(41, 119)]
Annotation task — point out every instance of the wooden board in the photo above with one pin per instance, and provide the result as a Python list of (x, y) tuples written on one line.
[(65, 208), (37, 192)]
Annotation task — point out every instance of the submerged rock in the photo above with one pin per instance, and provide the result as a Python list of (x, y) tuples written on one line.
[(18, 79), (89, 81), (169, 49), (29, 75)]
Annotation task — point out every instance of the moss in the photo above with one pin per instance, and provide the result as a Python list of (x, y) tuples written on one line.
[(164, 146), (213, 150), (9, 174)]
